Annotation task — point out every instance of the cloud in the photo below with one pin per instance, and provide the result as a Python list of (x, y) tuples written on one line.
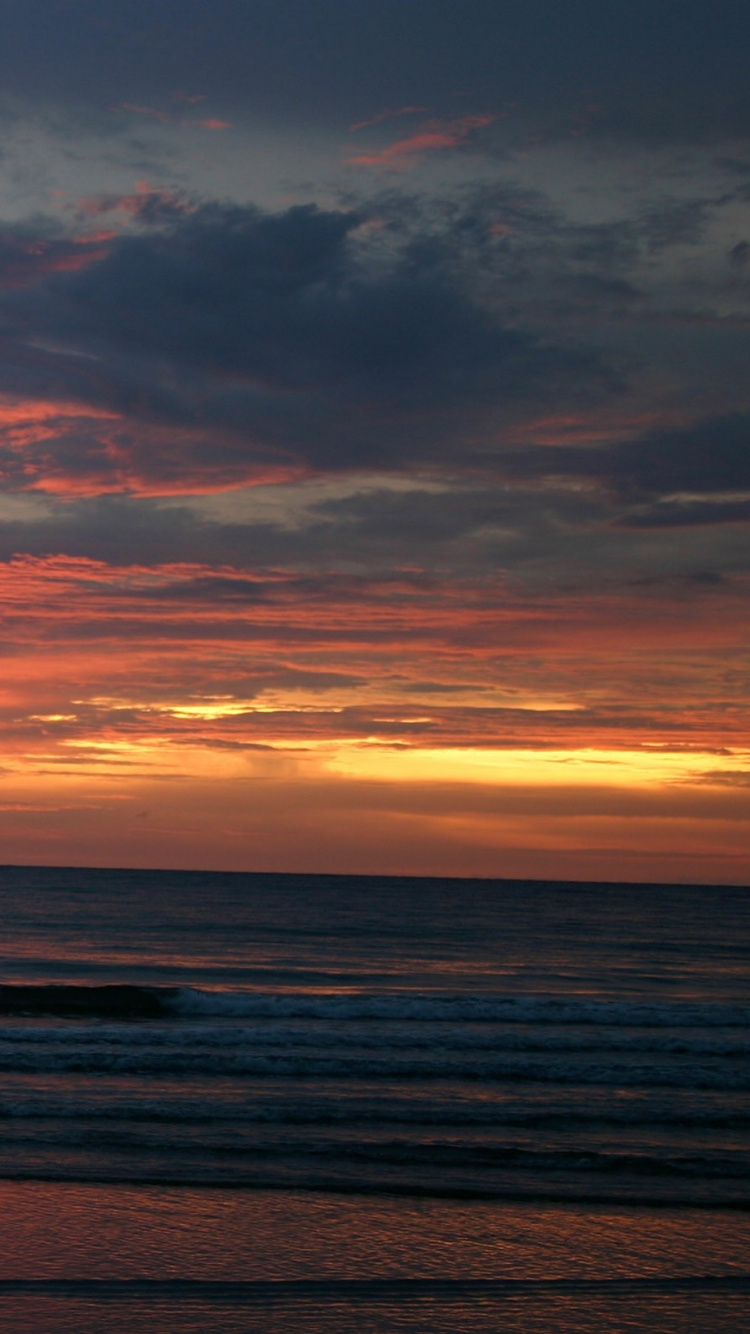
[(277, 342), (732, 778), (710, 458), (698, 471), (147, 205), (670, 222), (167, 118), (29, 255), (219, 346), (434, 136), (382, 116), (739, 255), (689, 514)]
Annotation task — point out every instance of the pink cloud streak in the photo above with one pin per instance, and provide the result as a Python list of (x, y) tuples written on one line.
[(435, 136), (388, 114), (164, 117)]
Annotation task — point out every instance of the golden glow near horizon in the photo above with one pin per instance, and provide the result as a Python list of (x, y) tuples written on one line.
[(266, 725), (643, 768), (374, 759), (327, 804)]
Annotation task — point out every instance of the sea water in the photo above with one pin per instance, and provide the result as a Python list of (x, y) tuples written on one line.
[(255, 1102)]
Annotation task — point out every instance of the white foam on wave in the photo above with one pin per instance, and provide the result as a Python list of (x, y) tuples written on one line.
[(469, 1009)]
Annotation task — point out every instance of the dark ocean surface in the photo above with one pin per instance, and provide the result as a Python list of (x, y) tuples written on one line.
[(256, 1102)]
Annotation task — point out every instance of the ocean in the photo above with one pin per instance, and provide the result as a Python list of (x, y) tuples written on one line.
[(340, 1103)]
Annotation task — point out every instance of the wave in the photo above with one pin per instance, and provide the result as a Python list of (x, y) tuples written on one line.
[(378, 1038), (403, 1153), (281, 1106), (114, 1001), (124, 1001), (418, 1007), (342, 1113), (622, 1193), (207, 1062)]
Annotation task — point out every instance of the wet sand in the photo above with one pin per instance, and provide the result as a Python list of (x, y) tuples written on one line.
[(115, 1260)]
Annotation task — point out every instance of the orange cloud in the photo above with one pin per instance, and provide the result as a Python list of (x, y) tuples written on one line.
[(26, 262), (435, 136), (70, 449), (26, 422), (264, 710), (486, 668), (597, 426), (145, 200)]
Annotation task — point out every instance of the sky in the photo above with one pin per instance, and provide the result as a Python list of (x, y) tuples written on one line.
[(375, 436)]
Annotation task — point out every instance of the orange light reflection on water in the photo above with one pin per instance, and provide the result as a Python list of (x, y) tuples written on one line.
[(54, 1230)]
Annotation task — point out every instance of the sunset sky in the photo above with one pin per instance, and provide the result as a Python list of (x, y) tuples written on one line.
[(375, 442)]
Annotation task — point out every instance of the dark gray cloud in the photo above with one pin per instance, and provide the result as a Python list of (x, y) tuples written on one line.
[(709, 458), (739, 255), (689, 514), (675, 222), (377, 543), (210, 344), (290, 339)]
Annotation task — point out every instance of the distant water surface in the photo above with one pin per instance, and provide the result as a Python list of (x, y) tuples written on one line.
[(534, 1064)]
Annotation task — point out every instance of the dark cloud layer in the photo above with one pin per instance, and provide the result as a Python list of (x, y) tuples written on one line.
[(289, 339), (684, 466), (713, 456), (205, 346)]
